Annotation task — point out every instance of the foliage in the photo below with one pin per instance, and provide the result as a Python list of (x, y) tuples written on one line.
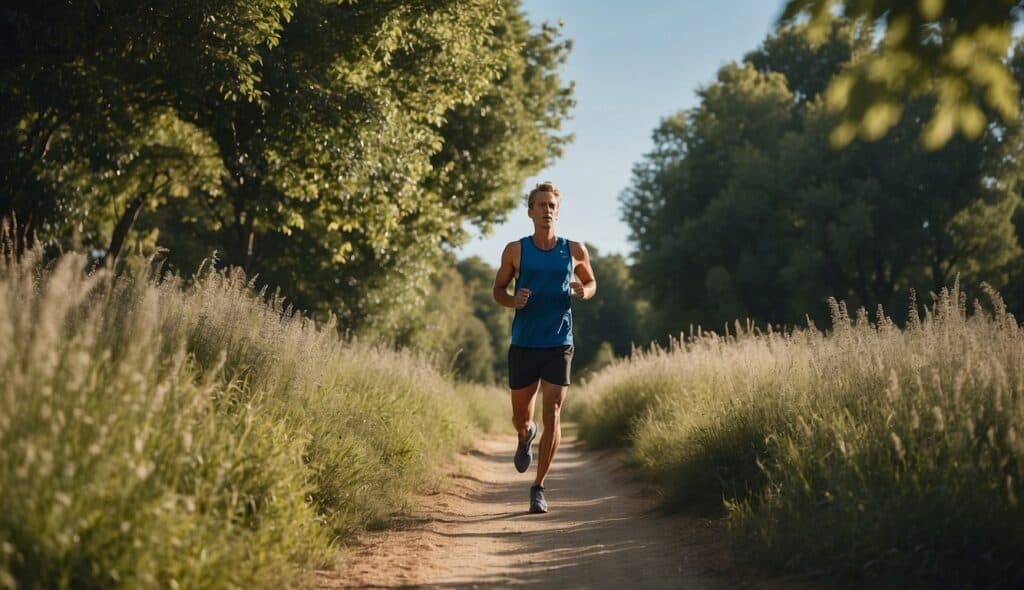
[(332, 148), (1014, 290), (162, 434), (612, 322), (810, 67), (83, 76), (448, 328), (953, 51), (478, 278), (869, 452), (701, 206), (742, 210), (511, 132)]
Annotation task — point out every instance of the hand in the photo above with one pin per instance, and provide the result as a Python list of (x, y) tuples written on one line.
[(577, 289), (522, 297)]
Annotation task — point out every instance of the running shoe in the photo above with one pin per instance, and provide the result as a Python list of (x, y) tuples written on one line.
[(523, 454), (537, 503)]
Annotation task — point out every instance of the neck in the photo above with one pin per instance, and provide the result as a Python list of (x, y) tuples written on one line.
[(544, 238)]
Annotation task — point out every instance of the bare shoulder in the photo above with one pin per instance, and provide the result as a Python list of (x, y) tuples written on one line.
[(510, 255), (511, 251), (578, 250)]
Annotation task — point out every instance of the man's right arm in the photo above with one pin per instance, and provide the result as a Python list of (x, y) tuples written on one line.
[(506, 272)]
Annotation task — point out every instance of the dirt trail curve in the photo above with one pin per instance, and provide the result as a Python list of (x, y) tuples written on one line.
[(601, 532)]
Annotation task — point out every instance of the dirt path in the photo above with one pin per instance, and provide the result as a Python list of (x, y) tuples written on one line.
[(601, 532)]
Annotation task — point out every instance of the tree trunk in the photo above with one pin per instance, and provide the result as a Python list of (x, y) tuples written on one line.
[(238, 143), (245, 236), (124, 225)]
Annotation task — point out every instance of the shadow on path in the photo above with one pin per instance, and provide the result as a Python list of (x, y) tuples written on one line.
[(601, 532)]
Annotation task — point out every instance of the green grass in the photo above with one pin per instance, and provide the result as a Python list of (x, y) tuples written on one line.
[(164, 434), (869, 453)]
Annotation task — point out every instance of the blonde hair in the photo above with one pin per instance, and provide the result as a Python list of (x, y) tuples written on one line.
[(543, 187)]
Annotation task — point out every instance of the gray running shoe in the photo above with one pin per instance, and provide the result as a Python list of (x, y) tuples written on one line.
[(523, 454), (537, 503)]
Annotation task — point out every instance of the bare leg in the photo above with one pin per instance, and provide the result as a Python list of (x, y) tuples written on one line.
[(522, 408), (554, 395)]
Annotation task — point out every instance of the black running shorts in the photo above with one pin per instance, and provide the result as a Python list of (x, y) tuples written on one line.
[(527, 365)]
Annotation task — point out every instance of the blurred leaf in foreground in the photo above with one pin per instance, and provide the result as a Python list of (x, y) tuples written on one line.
[(954, 51)]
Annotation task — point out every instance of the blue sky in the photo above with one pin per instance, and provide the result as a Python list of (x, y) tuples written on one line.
[(633, 64)]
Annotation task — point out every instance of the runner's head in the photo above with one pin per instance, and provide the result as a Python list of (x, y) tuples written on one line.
[(543, 204), (543, 187)]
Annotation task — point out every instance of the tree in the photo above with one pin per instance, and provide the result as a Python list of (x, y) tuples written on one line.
[(447, 328), (77, 78), (1012, 153), (323, 192), (953, 51), (702, 207), (810, 67), (882, 218), (511, 132), (478, 278), (348, 192), (332, 148), (160, 158), (743, 211), (613, 321)]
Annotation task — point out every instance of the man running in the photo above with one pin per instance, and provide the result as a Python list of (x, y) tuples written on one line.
[(543, 266)]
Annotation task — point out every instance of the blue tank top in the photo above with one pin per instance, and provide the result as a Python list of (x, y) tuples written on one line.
[(546, 320)]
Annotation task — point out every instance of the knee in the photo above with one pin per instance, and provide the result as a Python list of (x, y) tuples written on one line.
[(520, 422), (553, 411)]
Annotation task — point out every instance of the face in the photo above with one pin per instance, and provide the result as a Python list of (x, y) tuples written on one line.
[(544, 211)]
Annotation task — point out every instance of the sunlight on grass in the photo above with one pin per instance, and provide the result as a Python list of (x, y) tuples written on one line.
[(190, 434), (872, 450)]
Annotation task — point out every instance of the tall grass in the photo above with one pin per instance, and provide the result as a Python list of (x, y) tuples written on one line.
[(162, 434), (870, 451)]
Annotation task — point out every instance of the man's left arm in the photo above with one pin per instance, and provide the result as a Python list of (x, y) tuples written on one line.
[(586, 286)]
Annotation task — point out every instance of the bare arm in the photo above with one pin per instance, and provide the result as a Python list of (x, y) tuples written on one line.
[(506, 272), (586, 286)]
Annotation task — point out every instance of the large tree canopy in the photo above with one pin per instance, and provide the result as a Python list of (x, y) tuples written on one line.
[(333, 148), (742, 210), (76, 78)]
